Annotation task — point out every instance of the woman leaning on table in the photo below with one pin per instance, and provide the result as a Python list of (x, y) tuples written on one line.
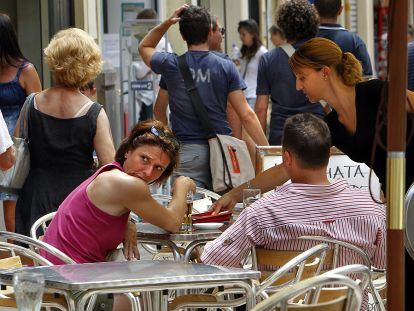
[(64, 128), (93, 219), (323, 72)]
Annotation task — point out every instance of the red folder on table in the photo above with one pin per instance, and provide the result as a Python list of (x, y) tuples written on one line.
[(207, 217)]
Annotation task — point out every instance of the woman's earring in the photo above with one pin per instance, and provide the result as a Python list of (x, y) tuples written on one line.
[(325, 77)]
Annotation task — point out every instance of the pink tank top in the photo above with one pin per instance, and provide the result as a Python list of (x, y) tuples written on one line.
[(81, 230)]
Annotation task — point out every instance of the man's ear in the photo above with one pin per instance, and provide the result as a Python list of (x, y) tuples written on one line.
[(340, 10), (287, 158)]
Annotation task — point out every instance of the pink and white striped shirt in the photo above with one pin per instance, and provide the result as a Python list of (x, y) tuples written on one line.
[(293, 210)]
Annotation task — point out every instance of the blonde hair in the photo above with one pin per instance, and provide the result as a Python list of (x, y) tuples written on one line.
[(319, 52), (73, 57)]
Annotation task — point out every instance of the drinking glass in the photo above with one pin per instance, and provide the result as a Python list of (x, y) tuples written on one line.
[(28, 290), (250, 196), (187, 224)]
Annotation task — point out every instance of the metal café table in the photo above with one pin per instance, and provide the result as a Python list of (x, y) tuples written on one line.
[(136, 276), (148, 233)]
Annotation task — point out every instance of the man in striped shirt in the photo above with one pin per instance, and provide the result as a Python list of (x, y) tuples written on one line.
[(310, 205)]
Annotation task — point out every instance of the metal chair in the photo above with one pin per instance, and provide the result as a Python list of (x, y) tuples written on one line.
[(312, 258), (41, 224), (281, 300), (344, 249), (35, 245)]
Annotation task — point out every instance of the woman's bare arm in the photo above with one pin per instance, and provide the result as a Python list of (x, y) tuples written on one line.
[(102, 142), (115, 193)]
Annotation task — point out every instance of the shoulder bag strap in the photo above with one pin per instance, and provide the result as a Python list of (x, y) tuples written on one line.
[(195, 97), (245, 69), (24, 116)]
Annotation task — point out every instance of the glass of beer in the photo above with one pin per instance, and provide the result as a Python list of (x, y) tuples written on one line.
[(187, 224)]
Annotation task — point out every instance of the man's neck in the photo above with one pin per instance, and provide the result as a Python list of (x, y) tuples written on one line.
[(331, 20), (198, 47), (311, 177)]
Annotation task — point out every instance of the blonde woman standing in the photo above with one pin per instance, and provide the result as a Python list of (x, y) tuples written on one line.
[(65, 127)]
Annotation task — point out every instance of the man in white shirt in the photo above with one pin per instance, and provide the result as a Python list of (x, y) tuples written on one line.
[(6, 146)]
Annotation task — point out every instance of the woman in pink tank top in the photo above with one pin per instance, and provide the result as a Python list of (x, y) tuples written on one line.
[(93, 219)]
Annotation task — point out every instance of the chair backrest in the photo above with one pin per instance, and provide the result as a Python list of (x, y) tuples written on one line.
[(349, 295), (268, 261), (39, 227), (35, 245), (28, 257), (292, 267), (10, 263), (357, 271), (342, 251)]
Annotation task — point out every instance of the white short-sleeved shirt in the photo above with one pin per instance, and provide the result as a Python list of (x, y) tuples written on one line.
[(250, 73), (5, 139)]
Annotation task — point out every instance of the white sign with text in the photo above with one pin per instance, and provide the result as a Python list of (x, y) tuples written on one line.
[(340, 166)]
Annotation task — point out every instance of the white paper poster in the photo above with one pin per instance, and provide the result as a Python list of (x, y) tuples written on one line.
[(110, 48)]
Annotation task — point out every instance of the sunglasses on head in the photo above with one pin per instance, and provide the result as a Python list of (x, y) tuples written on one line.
[(159, 133)]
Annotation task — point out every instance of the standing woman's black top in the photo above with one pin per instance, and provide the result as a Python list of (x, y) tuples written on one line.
[(359, 146)]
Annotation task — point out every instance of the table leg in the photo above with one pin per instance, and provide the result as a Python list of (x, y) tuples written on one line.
[(71, 302), (91, 303), (250, 295), (175, 250), (147, 301), (164, 300)]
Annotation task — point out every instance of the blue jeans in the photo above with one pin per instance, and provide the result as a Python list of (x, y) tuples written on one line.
[(195, 163)]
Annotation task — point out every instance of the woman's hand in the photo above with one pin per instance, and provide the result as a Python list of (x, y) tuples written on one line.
[(184, 182), (130, 242), (7, 158)]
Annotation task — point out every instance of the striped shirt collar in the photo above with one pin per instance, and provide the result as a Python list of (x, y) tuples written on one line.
[(313, 190)]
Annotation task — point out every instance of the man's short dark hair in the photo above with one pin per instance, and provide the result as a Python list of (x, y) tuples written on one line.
[(195, 25), (298, 20), (309, 139), (328, 8)]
